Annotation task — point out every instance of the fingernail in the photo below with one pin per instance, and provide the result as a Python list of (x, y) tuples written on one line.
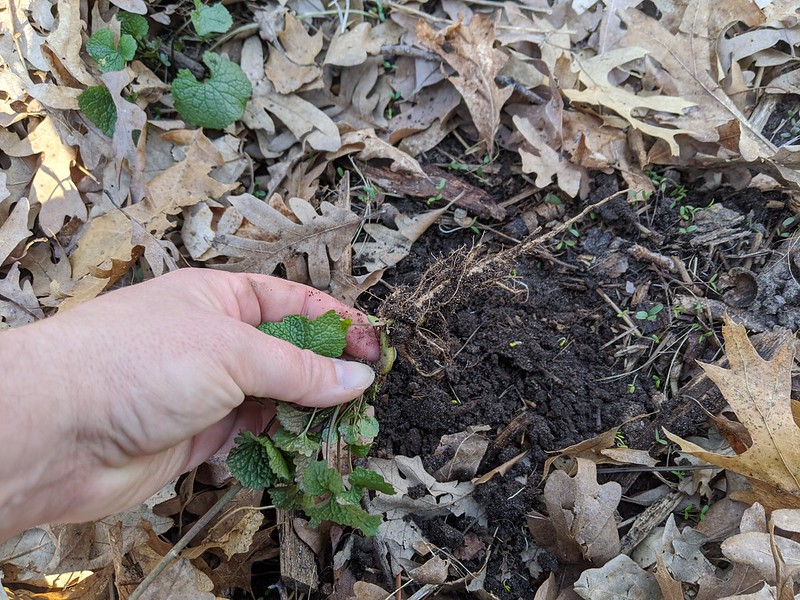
[(353, 375)]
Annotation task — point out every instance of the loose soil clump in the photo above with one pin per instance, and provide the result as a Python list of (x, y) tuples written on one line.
[(529, 345)]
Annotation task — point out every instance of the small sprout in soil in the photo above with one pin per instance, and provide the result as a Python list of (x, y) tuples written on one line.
[(712, 283), (551, 198), (514, 344), (657, 382), (619, 440), (378, 11), (567, 242), (632, 386), (659, 439), (786, 226), (433, 199), (693, 513), (651, 314)]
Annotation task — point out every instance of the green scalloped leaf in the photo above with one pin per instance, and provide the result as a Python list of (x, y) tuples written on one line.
[(325, 335), (365, 478), (107, 55), (290, 442), (344, 514), (210, 18), (98, 106), (249, 461), (216, 102), (320, 479), (134, 25)]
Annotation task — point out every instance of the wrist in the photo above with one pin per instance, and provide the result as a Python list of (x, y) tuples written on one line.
[(37, 473)]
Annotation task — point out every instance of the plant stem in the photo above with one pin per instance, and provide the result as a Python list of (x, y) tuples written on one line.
[(184, 541)]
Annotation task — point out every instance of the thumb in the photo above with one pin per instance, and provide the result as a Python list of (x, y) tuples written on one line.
[(268, 367)]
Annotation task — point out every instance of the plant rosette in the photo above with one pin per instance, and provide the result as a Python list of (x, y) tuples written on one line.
[(294, 463)]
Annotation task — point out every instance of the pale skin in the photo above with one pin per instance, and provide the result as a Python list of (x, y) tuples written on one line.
[(104, 404)]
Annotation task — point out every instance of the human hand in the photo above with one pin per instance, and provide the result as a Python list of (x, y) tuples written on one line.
[(115, 398)]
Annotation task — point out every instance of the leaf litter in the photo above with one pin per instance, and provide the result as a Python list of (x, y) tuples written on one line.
[(510, 114)]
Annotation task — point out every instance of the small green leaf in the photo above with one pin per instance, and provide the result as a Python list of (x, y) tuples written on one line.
[(134, 25), (352, 496), (320, 479), (349, 433), (216, 102), (289, 497), (277, 462), (360, 450), (210, 18), (109, 57), (98, 106), (302, 444), (249, 461), (324, 335), (364, 478), (368, 427), (291, 417), (344, 514)]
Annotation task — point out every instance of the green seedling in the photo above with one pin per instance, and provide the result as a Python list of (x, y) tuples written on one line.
[(619, 440), (786, 226), (650, 314), (694, 513), (569, 242), (660, 440), (435, 198), (551, 198), (288, 462)]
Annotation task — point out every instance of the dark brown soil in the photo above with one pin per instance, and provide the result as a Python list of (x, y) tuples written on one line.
[(528, 350)]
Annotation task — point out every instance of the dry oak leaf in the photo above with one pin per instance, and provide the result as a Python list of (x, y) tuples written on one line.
[(322, 237), (593, 74), (469, 49), (687, 64), (52, 186), (184, 184), (758, 391), (65, 41), (581, 516)]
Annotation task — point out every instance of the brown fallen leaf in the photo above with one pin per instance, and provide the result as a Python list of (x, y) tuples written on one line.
[(469, 49), (14, 230), (539, 158), (466, 449), (580, 525), (618, 578), (758, 392), (597, 89), (601, 450), (271, 238), (18, 302), (688, 60), (53, 187)]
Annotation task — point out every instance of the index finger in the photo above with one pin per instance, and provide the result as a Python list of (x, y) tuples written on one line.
[(276, 298)]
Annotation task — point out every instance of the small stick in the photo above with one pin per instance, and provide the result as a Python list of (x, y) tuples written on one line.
[(620, 313), (166, 561), (673, 264)]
